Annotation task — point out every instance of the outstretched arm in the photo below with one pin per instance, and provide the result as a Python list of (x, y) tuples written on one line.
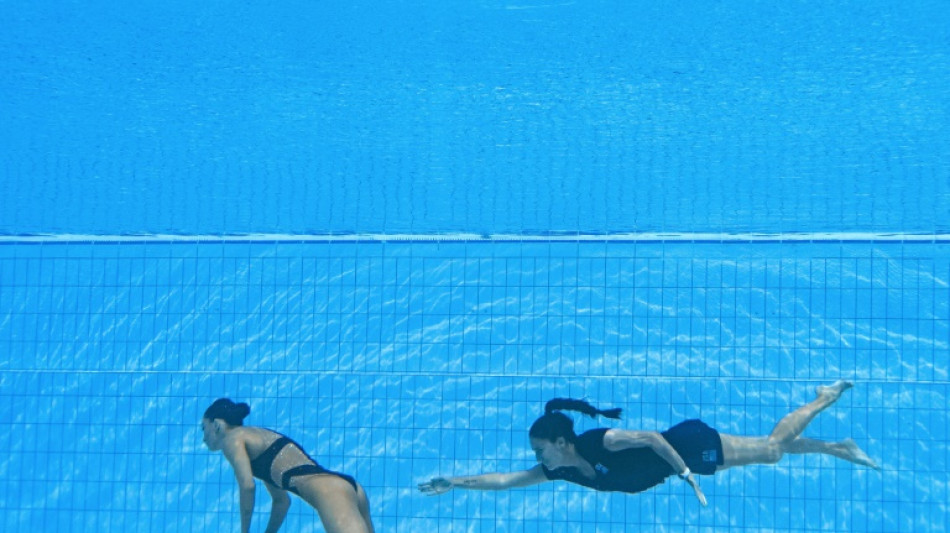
[(617, 439), (495, 481), (236, 454), (280, 503)]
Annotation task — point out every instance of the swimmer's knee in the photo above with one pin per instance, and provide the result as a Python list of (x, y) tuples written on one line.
[(772, 453)]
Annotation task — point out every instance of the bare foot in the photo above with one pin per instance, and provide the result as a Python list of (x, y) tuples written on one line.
[(833, 391), (851, 452)]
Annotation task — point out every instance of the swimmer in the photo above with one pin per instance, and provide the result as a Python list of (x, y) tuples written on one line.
[(284, 467), (634, 461)]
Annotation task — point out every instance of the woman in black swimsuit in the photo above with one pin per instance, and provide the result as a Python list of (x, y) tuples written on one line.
[(634, 461), (283, 465)]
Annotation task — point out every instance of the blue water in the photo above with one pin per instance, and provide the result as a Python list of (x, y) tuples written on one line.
[(486, 117), (397, 362), (769, 186)]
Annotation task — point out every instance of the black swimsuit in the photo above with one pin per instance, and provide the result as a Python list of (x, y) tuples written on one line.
[(262, 464), (638, 469)]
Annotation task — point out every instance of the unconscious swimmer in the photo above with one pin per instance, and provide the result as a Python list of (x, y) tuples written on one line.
[(284, 467)]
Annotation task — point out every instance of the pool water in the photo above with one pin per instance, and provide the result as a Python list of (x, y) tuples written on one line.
[(396, 229), (483, 117), (396, 362)]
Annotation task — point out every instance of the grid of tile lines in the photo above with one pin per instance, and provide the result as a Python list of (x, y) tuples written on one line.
[(124, 345)]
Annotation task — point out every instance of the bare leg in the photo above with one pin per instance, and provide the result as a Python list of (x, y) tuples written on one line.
[(741, 451), (341, 509), (738, 451), (363, 505), (794, 423), (846, 449)]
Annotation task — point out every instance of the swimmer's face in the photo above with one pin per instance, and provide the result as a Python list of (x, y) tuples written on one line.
[(552, 454), (211, 434)]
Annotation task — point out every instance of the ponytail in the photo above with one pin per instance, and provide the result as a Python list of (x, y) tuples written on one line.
[(570, 404), (554, 424), (225, 409)]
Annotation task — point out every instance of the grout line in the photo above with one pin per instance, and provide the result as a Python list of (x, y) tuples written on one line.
[(463, 375), (646, 237)]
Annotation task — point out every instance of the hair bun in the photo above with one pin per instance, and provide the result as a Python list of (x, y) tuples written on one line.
[(227, 410)]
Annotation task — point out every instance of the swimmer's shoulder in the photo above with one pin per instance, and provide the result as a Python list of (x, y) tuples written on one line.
[(255, 439)]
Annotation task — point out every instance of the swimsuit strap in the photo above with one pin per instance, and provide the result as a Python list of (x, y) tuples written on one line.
[(261, 465)]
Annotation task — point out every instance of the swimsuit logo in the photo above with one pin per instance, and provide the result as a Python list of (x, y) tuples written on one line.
[(601, 468), (710, 456)]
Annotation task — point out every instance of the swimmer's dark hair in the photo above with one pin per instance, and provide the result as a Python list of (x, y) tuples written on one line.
[(554, 424), (232, 413)]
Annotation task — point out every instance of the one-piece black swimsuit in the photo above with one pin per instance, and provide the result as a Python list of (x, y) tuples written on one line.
[(638, 469)]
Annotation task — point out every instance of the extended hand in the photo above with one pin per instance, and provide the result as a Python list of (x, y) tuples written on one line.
[(699, 492), (437, 486)]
